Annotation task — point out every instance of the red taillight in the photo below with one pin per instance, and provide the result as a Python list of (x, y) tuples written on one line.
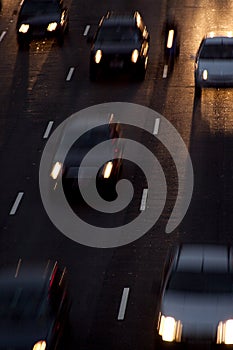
[(53, 276)]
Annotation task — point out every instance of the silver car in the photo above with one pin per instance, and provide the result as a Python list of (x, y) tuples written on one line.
[(197, 295), (214, 62)]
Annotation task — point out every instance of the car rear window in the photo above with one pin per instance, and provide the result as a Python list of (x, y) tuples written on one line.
[(201, 282), (213, 51)]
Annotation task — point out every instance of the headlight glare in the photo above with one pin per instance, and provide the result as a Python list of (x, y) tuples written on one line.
[(52, 26), (134, 56), (98, 56), (170, 329), (225, 332), (40, 345), (205, 74), (107, 170), (24, 28)]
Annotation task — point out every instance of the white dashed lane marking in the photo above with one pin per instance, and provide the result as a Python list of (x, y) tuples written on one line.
[(144, 198), (86, 30), (16, 203), (2, 35), (70, 74), (165, 70), (48, 129), (124, 299), (156, 126)]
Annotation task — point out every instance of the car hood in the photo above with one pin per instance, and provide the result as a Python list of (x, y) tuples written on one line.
[(116, 47), (195, 307), (217, 67), (25, 334), (198, 313), (39, 19)]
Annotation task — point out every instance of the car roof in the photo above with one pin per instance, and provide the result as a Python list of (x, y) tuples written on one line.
[(114, 18), (204, 258)]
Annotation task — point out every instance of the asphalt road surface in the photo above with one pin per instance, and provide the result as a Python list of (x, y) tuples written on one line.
[(48, 83)]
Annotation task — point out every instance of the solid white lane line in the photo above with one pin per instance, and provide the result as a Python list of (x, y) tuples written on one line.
[(156, 126), (70, 73), (144, 198), (165, 69), (124, 298), (48, 129), (2, 35), (86, 30), (16, 203)]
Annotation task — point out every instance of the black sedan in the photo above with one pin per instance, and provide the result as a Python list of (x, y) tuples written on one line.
[(34, 307), (41, 19), (120, 43)]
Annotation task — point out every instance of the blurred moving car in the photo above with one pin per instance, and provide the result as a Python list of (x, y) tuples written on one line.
[(41, 19), (197, 295), (121, 43), (214, 62), (34, 306), (172, 41), (104, 167)]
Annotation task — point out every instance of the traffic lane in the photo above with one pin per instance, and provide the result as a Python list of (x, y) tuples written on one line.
[(211, 151)]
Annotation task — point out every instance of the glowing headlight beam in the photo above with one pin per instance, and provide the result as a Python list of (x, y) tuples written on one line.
[(134, 56), (170, 38), (205, 74), (170, 329), (108, 170), (98, 56), (40, 345), (52, 26), (56, 170), (225, 332), (24, 28)]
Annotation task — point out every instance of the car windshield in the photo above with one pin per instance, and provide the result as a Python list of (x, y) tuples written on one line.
[(201, 282), (19, 303), (118, 33), (39, 8), (93, 137), (213, 51)]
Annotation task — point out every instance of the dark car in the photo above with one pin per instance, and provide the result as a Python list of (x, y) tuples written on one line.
[(104, 166), (34, 307), (42, 19), (197, 295), (120, 43)]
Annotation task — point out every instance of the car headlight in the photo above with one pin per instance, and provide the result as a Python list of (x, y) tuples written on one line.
[(134, 56), (205, 74), (52, 26), (98, 56), (56, 170), (225, 332), (170, 329), (107, 170), (40, 345), (24, 28)]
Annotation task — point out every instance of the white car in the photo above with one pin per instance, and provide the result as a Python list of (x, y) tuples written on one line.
[(197, 295), (214, 63)]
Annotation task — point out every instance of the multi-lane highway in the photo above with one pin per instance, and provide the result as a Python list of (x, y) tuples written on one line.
[(115, 291)]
